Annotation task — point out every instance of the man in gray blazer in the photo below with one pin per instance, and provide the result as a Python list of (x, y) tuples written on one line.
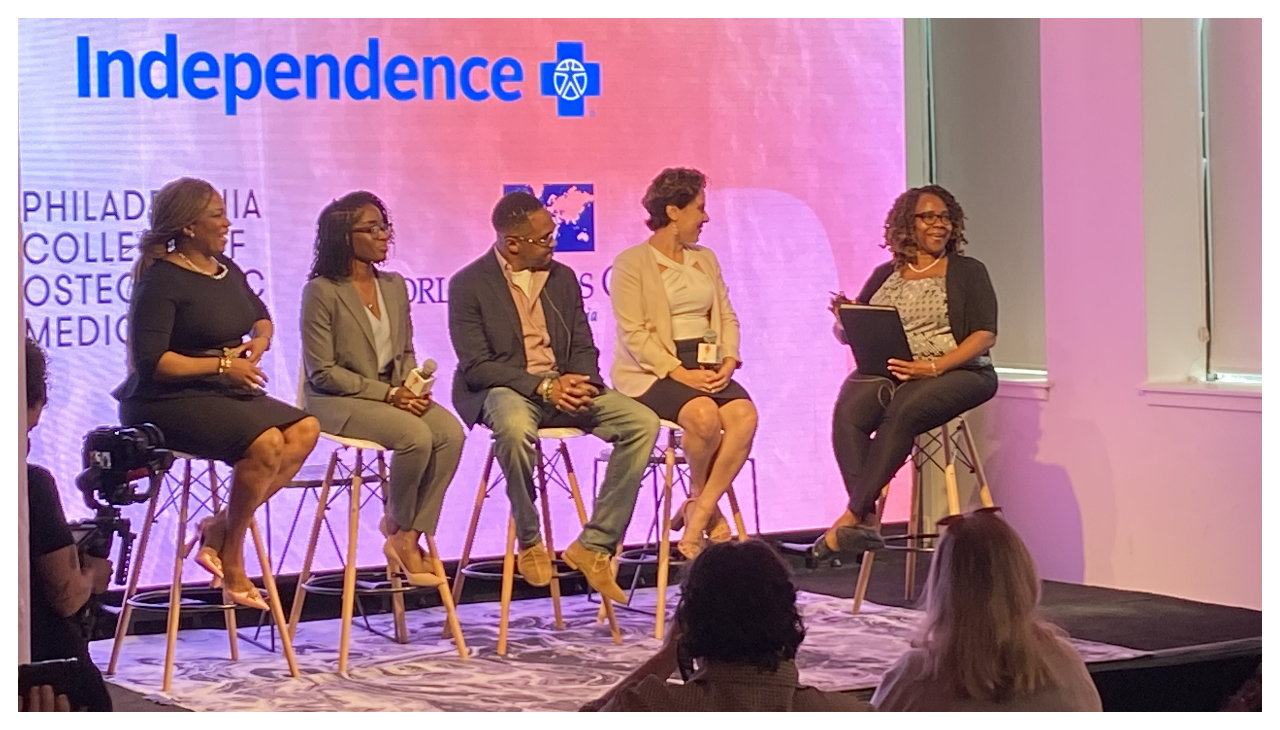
[(357, 339), (526, 360)]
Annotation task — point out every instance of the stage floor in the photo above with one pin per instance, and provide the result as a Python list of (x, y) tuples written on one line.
[(549, 670)]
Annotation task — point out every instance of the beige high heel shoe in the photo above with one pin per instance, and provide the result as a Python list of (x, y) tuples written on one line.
[(718, 528), (206, 557), (692, 542), (396, 563)]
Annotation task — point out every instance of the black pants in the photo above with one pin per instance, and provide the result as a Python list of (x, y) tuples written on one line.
[(896, 413)]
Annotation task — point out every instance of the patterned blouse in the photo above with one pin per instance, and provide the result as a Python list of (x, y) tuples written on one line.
[(922, 306)]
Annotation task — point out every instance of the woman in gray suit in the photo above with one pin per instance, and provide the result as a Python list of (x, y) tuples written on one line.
[(357, 339)]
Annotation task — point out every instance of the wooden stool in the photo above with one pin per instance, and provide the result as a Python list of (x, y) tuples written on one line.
[(546, 470), (651, 551), (927, 447), (351, 480), (180, 492)]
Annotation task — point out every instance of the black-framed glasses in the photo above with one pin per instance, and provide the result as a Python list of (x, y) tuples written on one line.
[(373, 229), (952, 519), (547, 241), (929, 217)]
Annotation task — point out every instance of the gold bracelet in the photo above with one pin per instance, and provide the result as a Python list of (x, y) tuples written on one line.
[(934, 363), (224, 364)]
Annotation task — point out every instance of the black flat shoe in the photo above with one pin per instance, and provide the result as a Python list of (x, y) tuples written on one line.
[(856, 540)]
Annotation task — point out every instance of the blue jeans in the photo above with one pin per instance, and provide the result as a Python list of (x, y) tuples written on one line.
[(632, 428)]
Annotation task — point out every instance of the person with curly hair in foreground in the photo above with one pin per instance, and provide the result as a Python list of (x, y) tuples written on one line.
[(739, 622)]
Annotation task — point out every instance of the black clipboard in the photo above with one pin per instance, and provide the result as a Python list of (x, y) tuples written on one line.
[(875, 335)]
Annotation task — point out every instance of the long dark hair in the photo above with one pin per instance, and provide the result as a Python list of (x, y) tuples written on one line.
[(900, 224), (178, 204), (333, 252)]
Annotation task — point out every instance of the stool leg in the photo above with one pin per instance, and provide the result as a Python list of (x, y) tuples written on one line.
[(738, 522), (868, 558), (664, 538), (508, 577), (949, 470), (864, 577), (273, 598), (984, 491), (300, 593), (397, 599), (175, 590), (126, 611), (349, 572), (229, 614), (582, 518), (915, 526), (465, 558), (550, 538), (446, 597)]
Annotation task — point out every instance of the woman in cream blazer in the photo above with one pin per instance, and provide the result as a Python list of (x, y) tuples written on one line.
[(357, 340), (668, 296)]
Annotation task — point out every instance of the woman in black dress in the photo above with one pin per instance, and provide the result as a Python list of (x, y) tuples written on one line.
[(193, 373)]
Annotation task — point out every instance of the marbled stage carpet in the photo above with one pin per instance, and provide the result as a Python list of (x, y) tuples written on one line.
[(544, 669)]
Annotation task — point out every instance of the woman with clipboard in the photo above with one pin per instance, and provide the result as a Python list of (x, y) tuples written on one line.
[(948, 312)]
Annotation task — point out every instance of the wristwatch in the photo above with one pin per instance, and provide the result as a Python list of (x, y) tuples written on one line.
[(391, 393), (545, 389)]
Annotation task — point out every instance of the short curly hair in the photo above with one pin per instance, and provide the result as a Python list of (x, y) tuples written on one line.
[(513, 210), (738, 605), (676, 186), (900, 224)]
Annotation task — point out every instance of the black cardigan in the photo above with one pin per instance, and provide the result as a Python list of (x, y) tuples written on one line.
[(971, 300)]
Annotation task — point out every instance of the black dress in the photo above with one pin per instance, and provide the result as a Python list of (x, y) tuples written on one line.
[(666, 397), (196, 315)]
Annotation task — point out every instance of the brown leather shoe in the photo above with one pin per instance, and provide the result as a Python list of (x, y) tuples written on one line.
[(596, 568), (535, 565)]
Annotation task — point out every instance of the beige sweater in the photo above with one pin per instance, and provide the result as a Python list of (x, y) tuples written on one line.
[(644, 350), (904, 689)]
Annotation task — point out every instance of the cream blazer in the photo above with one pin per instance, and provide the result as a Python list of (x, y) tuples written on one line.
[(644, 350)]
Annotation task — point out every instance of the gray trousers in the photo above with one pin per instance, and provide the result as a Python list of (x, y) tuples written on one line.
[(427, 450), (631, 427)]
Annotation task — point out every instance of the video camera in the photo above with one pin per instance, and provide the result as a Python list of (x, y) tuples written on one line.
[(114, 458)]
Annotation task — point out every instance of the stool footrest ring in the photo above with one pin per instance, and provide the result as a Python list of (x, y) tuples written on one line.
[(368, 583), (492, 570), (648, 555), (158, 600)]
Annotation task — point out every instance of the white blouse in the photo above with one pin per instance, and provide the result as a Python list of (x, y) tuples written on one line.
[(381, 330), (690, 294)]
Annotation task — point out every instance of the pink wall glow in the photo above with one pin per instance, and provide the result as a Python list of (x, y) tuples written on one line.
[(1107, 488)]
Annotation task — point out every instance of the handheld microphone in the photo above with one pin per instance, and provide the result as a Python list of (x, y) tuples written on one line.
[(709, 357), (421, 379)]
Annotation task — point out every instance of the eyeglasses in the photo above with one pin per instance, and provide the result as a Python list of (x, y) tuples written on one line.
[(547, 241), (929, 217), (952, 519), (373, 230)]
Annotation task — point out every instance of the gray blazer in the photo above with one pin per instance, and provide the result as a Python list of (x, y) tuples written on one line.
[(338, 355)]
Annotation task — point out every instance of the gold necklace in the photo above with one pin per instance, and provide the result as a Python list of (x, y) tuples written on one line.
[(930, 266), (219, 269)]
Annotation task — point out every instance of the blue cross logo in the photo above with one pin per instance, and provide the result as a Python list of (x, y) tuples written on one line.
[(570, 79)]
